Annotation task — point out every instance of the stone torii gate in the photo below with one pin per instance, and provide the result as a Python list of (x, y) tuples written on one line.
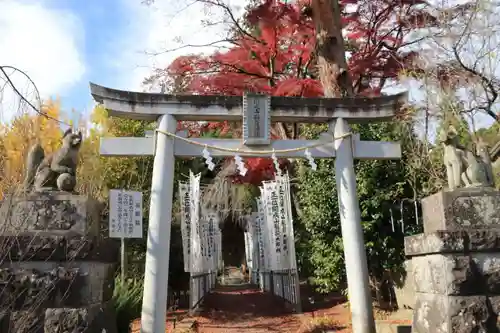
[(167, 110)]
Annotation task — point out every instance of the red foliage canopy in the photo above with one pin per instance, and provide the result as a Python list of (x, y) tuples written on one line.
[(277, 56)]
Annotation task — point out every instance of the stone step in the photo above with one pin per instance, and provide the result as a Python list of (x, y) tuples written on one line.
[(232, 276), (187, 324), (385, 326), (231, 281)]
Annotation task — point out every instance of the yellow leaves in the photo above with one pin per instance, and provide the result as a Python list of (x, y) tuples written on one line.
[(18, 136), (49, 130), (95, 173), (99, 120)]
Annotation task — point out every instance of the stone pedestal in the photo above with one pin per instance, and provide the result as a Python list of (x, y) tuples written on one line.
[(456, 263), (56, 268), (462, 209)]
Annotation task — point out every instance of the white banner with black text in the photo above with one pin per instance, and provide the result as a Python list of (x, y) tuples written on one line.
[(262, 236), (274, 230), (255, 239), (196, 259), (285, 179), (278, 223), (212, 240), (248, 234), (185, 202)]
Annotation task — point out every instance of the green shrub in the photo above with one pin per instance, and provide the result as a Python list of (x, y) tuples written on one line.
[(127, 300)]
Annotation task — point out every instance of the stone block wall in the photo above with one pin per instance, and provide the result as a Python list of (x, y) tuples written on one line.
[(56, 268), (404, 290), (456, 263)]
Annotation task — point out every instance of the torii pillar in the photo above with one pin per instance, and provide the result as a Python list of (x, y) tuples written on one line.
[(168, 109)]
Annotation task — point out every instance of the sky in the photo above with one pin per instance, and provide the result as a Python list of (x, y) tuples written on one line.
[(64, 44)]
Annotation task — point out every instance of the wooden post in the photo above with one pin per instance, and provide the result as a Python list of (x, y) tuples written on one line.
[(123, 259)]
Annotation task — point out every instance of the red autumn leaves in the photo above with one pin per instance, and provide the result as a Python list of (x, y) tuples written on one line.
[(276, 55)]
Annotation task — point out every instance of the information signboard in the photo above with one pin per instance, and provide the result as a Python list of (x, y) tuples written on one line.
[(125, 214)]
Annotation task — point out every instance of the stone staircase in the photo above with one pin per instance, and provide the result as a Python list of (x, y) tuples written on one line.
[(232, 276)]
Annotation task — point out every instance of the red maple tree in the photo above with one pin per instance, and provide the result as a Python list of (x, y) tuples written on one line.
[(276, 55)]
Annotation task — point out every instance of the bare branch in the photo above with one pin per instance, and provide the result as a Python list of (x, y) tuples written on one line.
[(21, 96), (214, 44)]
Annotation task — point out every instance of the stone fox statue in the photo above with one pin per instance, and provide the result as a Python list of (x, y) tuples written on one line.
[(56, 171), (484, 153), (462, 165)]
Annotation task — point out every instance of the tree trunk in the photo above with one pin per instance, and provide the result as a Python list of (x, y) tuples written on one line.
[(332, 64)]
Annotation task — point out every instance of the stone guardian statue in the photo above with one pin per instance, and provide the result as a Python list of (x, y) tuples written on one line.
[(483, 151), (462, 165), (56, 171)]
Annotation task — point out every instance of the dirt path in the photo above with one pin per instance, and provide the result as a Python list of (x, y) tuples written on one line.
[(239, 309), (172, 318), (247, 310)]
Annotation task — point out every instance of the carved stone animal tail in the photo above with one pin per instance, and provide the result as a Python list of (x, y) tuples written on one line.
[(35, 156)]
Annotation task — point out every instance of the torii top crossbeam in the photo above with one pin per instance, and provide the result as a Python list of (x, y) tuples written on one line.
[(149, 106)]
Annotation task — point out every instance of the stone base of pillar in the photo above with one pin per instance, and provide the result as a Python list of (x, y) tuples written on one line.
[(93, 319), (57, 268), (457, 314), (456, 271)]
